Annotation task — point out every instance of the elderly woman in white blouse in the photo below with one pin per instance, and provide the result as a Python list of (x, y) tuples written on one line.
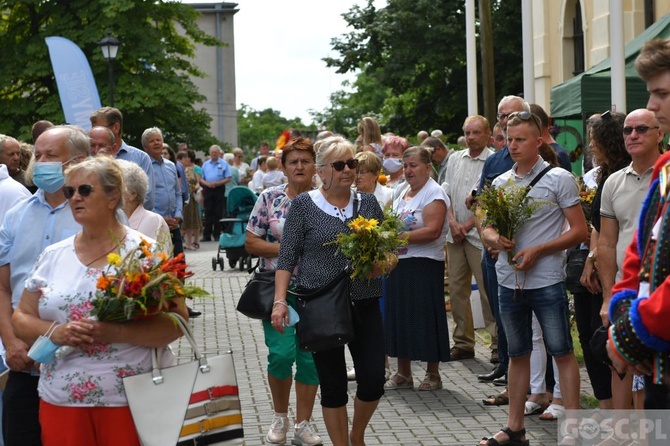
[(147, 222)]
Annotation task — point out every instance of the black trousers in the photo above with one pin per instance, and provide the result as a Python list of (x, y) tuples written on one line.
[(215, 205), (587, 316), (20, 411), (367, 350)]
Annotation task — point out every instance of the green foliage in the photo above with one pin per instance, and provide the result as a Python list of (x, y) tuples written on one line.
[(255, 126), (152, 87), (412, 54)]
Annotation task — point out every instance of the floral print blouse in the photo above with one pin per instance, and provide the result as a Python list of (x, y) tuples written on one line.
[(91, 377)]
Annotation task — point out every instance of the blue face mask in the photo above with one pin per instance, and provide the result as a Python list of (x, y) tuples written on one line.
[(43, 349), (48, 176)]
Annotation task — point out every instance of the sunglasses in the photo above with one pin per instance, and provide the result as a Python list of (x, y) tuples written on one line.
[(339, 165), (83, 189), (526, 116), (640, 129)]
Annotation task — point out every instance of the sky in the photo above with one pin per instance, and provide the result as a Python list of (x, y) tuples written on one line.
[(278, 51)]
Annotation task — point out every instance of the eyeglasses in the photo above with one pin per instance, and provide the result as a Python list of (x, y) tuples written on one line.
[(526, 116), (502, 116), (350, 163), (640, 129), (83, 189)]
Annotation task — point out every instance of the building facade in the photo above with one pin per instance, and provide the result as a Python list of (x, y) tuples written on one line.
[(218, 64)]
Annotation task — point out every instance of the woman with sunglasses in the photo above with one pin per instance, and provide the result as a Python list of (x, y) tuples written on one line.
[(415, 319), (82, 401), (264, 237), (315, 220)]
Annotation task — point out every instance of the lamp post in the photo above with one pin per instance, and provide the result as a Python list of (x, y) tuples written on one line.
[(110, 46)]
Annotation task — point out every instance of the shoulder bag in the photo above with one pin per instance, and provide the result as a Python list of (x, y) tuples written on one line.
[(258, 295), (192, 403), (326, 313)]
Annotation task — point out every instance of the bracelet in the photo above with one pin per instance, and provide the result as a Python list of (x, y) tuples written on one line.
[(280, 302)]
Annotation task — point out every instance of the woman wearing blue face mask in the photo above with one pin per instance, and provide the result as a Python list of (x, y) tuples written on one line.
[(393, 148)]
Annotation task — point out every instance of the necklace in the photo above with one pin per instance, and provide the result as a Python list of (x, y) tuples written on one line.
[(105, 253)]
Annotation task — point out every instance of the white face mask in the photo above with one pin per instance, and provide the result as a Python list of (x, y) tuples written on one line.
[(392, 165)]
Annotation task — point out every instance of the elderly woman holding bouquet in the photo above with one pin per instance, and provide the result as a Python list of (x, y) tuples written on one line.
[(416, 321), (314, 222), (264, 236), (81, 393)]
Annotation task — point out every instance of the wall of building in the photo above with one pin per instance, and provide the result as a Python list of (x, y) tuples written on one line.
[(218, 64), (553, 33)]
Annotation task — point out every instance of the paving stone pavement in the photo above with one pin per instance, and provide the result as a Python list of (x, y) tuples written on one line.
[(453, 415)]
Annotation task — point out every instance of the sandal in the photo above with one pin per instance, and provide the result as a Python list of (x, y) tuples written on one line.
[(501, 399), (513, 438), (431, 384), (399, 381), (553, 412), (532, 408), (195, 245)]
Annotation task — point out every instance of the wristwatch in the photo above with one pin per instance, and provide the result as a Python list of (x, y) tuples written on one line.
[(591, 255)]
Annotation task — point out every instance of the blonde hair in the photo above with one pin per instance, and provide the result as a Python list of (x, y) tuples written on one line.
[(272, 163), (108, 172)]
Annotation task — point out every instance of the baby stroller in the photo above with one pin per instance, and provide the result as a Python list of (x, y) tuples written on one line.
[(240, 203)]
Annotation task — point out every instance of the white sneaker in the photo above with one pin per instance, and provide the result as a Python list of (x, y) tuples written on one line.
[(351, 374), (278, 429), (305, 436)]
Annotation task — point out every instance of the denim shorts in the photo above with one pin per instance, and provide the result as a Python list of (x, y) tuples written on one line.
[(550, 305)]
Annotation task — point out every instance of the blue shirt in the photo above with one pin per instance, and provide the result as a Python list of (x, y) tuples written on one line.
[(168, 196), (495, 165), (27, 229), (142, 159), (562, 156), (215, 171)]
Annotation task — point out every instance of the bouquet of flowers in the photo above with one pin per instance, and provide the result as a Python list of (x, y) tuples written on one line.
[(506, 208), (371, 244), (586, 196), (141, 284)]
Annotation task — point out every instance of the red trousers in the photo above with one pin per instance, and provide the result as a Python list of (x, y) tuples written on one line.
[(87, 426)]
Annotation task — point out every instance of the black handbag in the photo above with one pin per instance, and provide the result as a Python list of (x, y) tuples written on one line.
[(258, 295), (573, 270), (325, 315)]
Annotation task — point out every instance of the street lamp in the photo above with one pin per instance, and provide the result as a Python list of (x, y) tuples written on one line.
[(110, 46)]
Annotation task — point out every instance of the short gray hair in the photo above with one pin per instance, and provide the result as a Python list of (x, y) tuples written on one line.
[(77, 142), (151, 131), (4, 138), (108, 172), (134, 179), (331, 147)]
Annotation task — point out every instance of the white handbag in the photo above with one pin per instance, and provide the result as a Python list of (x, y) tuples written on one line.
[(187, 404)]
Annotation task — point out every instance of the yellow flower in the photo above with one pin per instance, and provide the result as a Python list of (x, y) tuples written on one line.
[(114, 259)]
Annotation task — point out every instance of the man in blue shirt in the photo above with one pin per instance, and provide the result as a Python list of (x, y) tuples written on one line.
[(27, 229), (112, 118), (168, 202), (215, 175)]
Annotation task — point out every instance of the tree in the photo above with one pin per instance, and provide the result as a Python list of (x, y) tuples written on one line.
[(415, 50), (255, 126), (152, 85)]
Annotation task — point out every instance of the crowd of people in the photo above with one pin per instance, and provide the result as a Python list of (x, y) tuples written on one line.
[(74, 197)]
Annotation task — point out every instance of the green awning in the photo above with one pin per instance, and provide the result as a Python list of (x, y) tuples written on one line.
[(590, 92)]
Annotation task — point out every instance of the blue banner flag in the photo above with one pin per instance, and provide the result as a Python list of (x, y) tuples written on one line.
[(76, 86)]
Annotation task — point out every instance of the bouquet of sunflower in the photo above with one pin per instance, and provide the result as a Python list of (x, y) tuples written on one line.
[(586, 197), (141, 284), (371, 243), (506, 208)]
